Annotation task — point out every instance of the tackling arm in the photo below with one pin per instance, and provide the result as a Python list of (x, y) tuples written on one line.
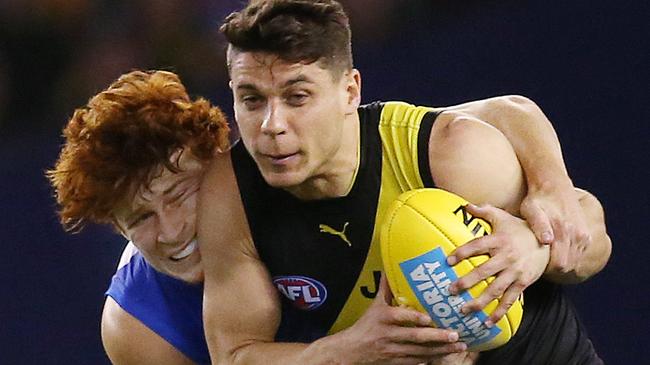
[(241, 309), (550, 206), (529, 132), (473, 159), (595, 256)]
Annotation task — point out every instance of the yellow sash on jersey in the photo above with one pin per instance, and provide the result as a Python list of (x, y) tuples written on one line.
[(398, 127)]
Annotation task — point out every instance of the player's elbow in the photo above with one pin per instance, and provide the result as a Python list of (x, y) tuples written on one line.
[(597, 243), (598, 252), (590, 265), (600, 239), (517, 105), (229, 353), (600, 261), (517, 100), (222, 347)]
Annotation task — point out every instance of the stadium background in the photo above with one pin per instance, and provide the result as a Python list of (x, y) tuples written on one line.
[(584, 62)]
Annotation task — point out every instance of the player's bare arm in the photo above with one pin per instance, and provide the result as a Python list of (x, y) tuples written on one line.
[(474, 160), (242, 309), (124, 338), (489, 173), (592, 260), (550, 207)]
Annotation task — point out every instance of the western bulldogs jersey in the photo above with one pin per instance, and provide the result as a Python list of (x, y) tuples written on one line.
[(169, 307), (323, 255)]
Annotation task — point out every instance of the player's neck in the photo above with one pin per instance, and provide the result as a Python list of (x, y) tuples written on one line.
[(336, 176)]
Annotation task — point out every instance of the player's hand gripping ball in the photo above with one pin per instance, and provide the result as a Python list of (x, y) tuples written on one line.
[(420, 229)]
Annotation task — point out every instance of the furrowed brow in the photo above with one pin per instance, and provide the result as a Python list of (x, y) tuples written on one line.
[(247, 87), (296, 80)]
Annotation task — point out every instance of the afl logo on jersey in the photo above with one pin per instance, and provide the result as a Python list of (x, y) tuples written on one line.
[(303, 292)]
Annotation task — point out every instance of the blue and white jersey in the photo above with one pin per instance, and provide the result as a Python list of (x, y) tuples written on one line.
[(170, 307)]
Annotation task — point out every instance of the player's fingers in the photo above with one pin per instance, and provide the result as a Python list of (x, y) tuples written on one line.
[(506, 301), (576, 251), (384, 293), (495, 290), (408, 353), (487, 212), (463, 358), (538, 221), (489, 268), (559, 259), (403, 316), (422, 335), (477, 246)]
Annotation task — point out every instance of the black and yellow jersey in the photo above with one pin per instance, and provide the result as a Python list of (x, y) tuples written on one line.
[(323, 255)]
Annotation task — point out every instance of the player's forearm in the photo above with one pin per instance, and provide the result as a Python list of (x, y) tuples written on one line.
[(238, 336), (321, 352), (597, 252)]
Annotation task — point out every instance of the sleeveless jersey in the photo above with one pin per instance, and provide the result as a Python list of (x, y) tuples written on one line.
[(323, 255), (169, 307)]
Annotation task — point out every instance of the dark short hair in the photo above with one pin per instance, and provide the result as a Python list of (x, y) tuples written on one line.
[(296, 30)]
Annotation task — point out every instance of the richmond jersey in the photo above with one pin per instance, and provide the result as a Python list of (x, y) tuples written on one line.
[(323, 255)]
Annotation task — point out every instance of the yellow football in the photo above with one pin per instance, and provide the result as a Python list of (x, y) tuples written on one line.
[(420, 229)]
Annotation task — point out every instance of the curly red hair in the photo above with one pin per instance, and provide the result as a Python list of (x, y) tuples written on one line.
[(122, 135)]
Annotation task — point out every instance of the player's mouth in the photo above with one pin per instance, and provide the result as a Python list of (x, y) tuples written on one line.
[(280, 159), (185, 252)]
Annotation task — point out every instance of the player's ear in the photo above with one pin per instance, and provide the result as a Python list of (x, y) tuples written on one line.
[(353, 89)]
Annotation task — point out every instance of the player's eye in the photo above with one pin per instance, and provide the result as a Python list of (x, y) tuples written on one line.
[(251, 102), (140, 219), (297, 99)]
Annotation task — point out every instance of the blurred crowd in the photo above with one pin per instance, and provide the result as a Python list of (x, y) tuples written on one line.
[(55, 54)]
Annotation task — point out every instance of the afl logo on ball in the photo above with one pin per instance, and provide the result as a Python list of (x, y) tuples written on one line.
[(303, 292)]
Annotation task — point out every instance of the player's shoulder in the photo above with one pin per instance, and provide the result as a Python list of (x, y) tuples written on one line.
[(125, 339), (129, 251), (121, 333), (118, 323), (493, 107), (457, 123)]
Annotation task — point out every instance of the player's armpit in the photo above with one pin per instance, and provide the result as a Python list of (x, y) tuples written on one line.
[(129, 342)]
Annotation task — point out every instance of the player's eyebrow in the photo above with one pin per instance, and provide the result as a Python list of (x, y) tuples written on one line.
[(129, 220), (297, 79), (139, 211), (247, 86)]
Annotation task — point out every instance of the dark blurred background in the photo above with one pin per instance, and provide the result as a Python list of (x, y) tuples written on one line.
[(584, 62)]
